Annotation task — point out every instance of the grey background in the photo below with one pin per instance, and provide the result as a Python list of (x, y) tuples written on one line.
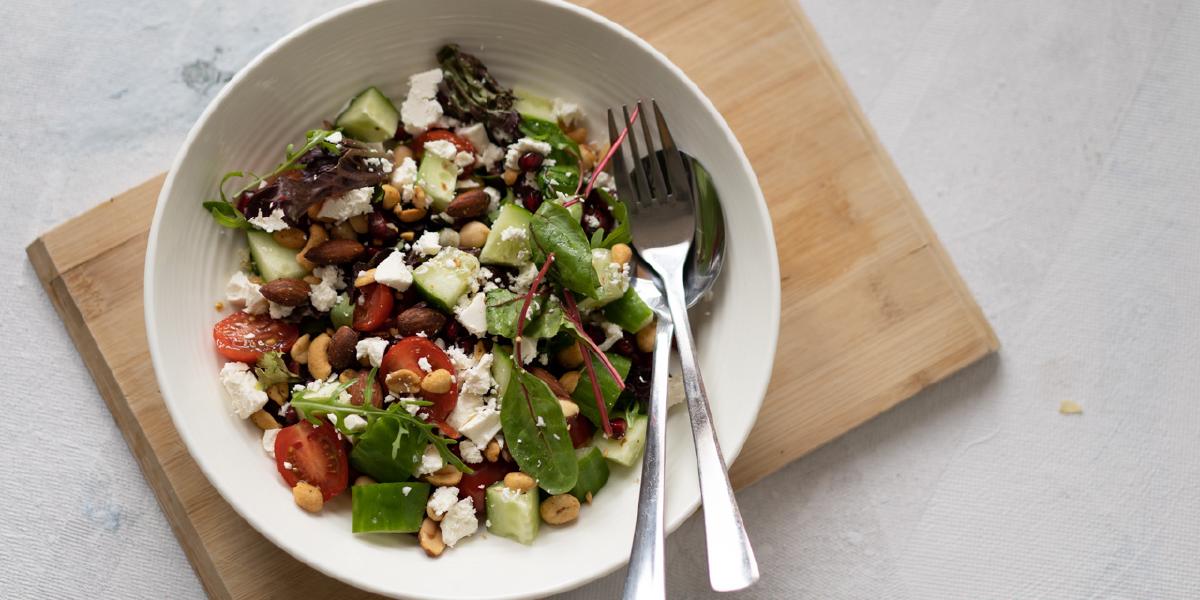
[(1053, 146)]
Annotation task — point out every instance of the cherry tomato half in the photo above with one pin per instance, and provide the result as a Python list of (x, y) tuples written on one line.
[(474, 485), (407, 354), (245, 337), (463, 145), (314, 455), (373, 308)]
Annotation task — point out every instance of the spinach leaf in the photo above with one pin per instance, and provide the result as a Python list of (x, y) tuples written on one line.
[(620, 233), (555, 230), (502, 307), (586, 399), (563, 175), (543, 451), (386, 453), (546, 321)]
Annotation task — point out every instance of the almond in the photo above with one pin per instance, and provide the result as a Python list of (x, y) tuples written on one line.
[(335, 252), (287, 292), (341, 348), (555, 387), (420, 319), (469, 204)]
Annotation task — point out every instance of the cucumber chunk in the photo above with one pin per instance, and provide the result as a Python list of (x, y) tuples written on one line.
[(502, 368), (437, 177), (273, 260), (342, 313), (593, 473), (444, 278), (629, 311), (512, 514), (513, 251), (627, 450), (388, 507), (534, 106), (370, 117)]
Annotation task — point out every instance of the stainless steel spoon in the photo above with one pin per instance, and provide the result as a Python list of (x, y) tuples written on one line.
[(707, 255)]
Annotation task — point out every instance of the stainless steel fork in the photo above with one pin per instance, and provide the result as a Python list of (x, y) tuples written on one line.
[(663, 223)]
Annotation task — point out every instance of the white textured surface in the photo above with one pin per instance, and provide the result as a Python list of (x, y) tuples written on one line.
[(1053, 147)]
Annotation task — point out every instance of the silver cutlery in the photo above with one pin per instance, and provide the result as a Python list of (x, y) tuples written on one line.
[(663, 226)]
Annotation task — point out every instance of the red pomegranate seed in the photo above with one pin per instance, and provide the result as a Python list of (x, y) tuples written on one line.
[(529, 161)]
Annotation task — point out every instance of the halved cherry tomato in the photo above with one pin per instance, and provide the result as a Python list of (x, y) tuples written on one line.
[(373, 308), (463, 145), (245, 337), (475, 484), (407, 354), (314, 455)]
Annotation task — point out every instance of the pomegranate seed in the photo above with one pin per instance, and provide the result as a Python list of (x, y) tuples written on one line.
[(530, 161), (618, 428), (531, 198)]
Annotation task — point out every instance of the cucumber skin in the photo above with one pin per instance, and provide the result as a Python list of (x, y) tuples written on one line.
[(362, 124), (629, 311), (495, 250), (628, 450), (438, 177), (273, 260), (516, 518), (431, 278), (385, 508)]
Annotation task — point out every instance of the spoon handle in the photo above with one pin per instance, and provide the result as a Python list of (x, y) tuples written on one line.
[(646, 579), (731, 562)]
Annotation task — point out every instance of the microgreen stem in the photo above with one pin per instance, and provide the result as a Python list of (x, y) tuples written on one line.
[(599, 168), (533, 287), (572, 313)]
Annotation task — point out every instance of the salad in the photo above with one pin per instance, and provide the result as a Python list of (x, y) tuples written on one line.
[(435, 311)]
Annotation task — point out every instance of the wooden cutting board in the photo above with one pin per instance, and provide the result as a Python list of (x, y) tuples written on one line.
[(873, 309)]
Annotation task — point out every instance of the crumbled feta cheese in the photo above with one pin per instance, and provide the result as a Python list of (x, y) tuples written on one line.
[(426, 244), (372, 349), (567, 113), (245, 394), (271, 222), (404, 177), (524, 279), (378, 165), (463, 160), (352, 203), (490, 155), (279, 311), (540, 421), (442, 499), (420, 108), (514, 233), (591, 221), (474, 133), (268, 441), (483, 425), (423, 362), (324, 295), (243, 293), (612, 335), (470, 452), (466, 184), (354, 422), (520, 147), (393, 272), (473, 314), (430, 461), (528, 349), (459, 522), (604, 181), (493, 195), (442, 148)]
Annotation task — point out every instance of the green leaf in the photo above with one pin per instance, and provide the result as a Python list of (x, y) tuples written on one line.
[(593, 473), (271, 370), (586, 398), (555, 230), (226, 215), (388, 450), (544, 451), (620, 233), (546, 321), (563, 175), (502, 308), (223, 211)]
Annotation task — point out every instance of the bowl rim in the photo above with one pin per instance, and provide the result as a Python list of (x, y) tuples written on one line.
[(150, 315)]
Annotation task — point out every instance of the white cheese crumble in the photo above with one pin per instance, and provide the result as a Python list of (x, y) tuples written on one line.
[(372, 349), (459, 521), (514, 233), (243, 293), (430, 461), (520, 147), (442, 148), (350, 422), (528, 350), (404, 177), (540, 421), (591, 221), (324, 295), (420, 108), (378, 164), (474, 133), (268, 441), (604, 181), (470, 452), (245, 395), (394, 273), (334, 138), (493, 195), (472, 314), (524, 279), (567, 113), (423, 362), (352, 203), (442, 500), (426, 244), (483, 425), (270, 223), (612, 335), (279, 311)]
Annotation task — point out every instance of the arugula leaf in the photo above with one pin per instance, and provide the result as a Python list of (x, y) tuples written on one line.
[(586, 399), (544, 451), (272, 370), (620, 233), (555, 230), (226, 215)]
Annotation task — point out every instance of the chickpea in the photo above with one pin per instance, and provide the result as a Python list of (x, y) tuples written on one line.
[(473, 235)]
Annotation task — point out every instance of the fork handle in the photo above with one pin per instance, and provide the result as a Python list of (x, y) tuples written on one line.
[(731, 562), (647, 578)]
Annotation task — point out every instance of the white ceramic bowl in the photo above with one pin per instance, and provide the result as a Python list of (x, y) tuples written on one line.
[(543, 45)]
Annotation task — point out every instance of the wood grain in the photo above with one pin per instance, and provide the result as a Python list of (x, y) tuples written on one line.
[(873, 309)]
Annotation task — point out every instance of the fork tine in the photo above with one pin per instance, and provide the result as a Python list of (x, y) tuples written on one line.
[(660, 186), (681, 187), (643, 189), (620, 171)]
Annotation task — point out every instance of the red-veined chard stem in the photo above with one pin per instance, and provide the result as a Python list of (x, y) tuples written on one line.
[(603, 162), (533, 287)]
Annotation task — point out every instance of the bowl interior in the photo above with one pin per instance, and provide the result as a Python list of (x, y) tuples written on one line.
[(550, 48)]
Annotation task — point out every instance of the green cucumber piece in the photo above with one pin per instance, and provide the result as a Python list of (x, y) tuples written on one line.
[(512, 514), (627, 450), (593, 473), (534, 106), (502, 368), (583, 395), (444, 278), (613, 278), (342, 313), (437, 177), (514, 251), (273, 260), (373, 454), (388, 507), (629, 311), (370, 117)]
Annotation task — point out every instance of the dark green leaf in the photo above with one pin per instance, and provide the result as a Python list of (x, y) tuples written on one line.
[(544, 451), (226, 215), (586, 399), (555, 230), (387, 451), (593, 473), (563, 175), (620, 233)]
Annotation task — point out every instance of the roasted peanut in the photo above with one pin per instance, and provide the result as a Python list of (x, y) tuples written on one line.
[(430, 538), (510, 177), (622, 253), (290, 238), (358, 223), (401, 152), (403, 382), (578, 134), (343, 231), (569, 381), (645, 337), (308, 496), (318, 357), (437, 382), (278, 393), (410, 215), (408, 236), (263, 420), (447, 475), (519, 481), (300, 349), (492, 452), (569, 408), (365, 278), (587, 157), (560, 509), (570, 357), (432, 514), (316, 237), (420, 199), (391, 196)]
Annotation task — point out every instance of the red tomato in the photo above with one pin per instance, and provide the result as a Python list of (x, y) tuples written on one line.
[(407, 354), (373, 308), (463, 145), (314, 455), (475, 484), (244, 337)]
